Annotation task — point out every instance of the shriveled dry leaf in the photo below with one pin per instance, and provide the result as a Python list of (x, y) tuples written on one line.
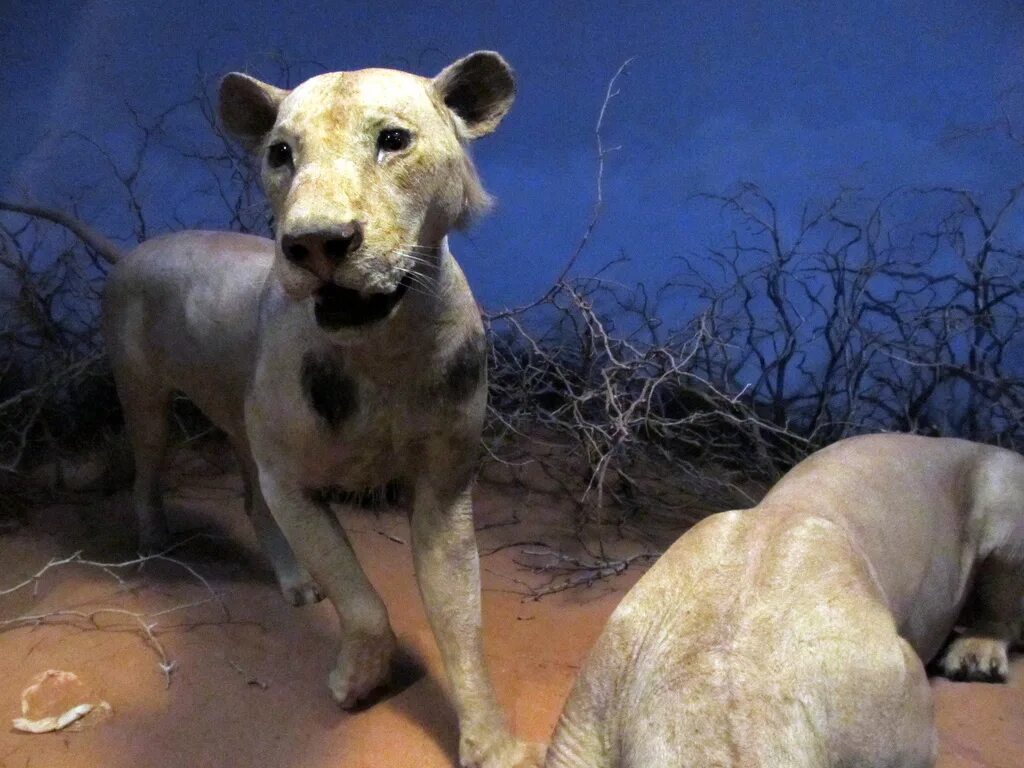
[(55, 699)]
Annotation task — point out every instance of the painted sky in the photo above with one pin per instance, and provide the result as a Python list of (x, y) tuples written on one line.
[(798, 97)]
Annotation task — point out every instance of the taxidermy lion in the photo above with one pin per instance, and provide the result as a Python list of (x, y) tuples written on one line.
[(346, 353), (793, 634)]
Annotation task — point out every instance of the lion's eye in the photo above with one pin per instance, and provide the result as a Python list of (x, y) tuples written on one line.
[(279, 154), (392, 140)]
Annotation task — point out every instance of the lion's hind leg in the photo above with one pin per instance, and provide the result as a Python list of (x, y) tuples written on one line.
[(145, 413), (294, 581)]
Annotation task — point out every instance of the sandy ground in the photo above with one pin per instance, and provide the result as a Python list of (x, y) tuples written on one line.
[(248, 686)]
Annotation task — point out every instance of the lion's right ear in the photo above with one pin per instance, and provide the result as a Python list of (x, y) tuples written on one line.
[(248, 107)]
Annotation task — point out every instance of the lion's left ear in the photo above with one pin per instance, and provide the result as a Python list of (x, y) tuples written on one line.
[(479, 89)]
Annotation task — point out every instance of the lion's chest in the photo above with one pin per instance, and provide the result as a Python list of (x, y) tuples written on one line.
[(323, 423), (355, 422), (320, 414)]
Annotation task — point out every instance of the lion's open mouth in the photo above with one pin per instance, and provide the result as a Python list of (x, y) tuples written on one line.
[(337, 307)]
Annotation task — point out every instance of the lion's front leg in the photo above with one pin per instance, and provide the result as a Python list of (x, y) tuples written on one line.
[(367, 641), (992, 621), (448, 571)]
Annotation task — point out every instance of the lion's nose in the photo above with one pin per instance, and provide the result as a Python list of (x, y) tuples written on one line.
[(322, 250)]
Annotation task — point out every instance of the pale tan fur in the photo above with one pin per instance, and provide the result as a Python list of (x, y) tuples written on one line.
[(234, 323), (792, 634)]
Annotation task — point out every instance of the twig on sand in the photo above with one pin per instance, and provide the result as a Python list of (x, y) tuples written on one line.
[(250, 679), (566, 571), (144, 622)]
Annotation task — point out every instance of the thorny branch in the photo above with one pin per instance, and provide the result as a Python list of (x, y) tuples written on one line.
[(565, 571), (144, 622), (611, 91)]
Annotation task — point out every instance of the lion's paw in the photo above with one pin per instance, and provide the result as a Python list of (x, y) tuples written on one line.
[(364, 664), (506, 752), (979, 659), (301, 591), (294, 581)]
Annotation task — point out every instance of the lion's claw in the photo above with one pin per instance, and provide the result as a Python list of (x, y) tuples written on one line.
[(978, 659)]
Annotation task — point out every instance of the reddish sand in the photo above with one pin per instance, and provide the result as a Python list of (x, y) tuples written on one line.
[(249, 689)]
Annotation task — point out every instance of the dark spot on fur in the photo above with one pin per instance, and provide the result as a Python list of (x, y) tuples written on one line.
[(329, 390), (465, 369)]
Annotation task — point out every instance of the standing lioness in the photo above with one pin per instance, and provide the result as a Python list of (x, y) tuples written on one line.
[(347, 353), (793, 634)]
